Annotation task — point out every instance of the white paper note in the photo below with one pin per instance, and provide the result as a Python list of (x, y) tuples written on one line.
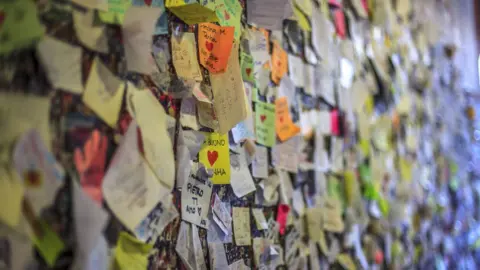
[(196, 194), (92, 36), (62, 63), (260, 218), (241, 226), (285, 155), (189, 247), (260, 162), (129, 186), (240, 177)]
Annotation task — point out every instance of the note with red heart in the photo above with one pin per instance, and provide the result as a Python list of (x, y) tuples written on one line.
[(215, 155), (246, 62), (280, 60), (265, 123), (214, 45), (284, 125), (229, 13)]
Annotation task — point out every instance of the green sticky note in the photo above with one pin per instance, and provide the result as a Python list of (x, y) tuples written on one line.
[(229, 13), (384, 206), (49, 245), (131, 253), (19, 25), (265, 123), (116, 11), (246, 61), (365, 174)]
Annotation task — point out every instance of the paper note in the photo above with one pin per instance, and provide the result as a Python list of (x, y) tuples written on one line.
[(285, 155), (346, 261), (340, 26), (104, 93), (153, 225), (241, 226), (130, 187), (196, 194), (243, 130), (214, 45), (302, 18), (229, 94), (131, 253), (161, 27), (260, 218), (332, 219), (11, 194), (188, 113), (116, 11), (260, 162), (315, 223), (62, 63), (38, 169), (282, 215), (18, 31), (229, 13), (284, 125), (240, 177), (246, 61), (279, 62), (221, 215), (93, 4), (90, 35), (90, 221), (189, 247), (184, 56), (215, 155), (99, 258), (193, 13), (49, 244), (137, 38), (156, 142), (265, 123), (267, 13)]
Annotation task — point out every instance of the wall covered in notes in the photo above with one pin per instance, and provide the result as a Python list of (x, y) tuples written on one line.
[(233, 134)]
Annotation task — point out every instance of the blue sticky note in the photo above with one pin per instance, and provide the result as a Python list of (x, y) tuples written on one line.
[(241, 132)]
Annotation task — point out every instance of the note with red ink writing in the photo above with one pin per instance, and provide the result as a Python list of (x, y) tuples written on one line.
[(284, 125), (214, 45), (184, 56), (215, 155), (265, 123), (196, 194), (241, 226), (279, 63), (229, 97)]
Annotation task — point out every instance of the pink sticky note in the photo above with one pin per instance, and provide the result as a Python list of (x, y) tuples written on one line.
[(334, 3), (340, 23), (282, 216), (335, 123), (365, 5)]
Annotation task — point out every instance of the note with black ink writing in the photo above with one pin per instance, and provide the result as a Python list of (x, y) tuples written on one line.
[(241, 226), (196, 194), (260, 162)]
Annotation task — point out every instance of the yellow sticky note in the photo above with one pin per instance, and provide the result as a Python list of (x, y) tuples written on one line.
[(104, 93), (116, 11), (11, 194), (215, 155), (19, 25), (131, 253), (49, 244), (405, 169), (302, 18), (229, 94), (346, 261), (184, 57), (351, 187), (191, 13)]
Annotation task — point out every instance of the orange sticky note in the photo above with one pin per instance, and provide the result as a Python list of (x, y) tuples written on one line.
[(279, 62), (214, 44), (283, 121)]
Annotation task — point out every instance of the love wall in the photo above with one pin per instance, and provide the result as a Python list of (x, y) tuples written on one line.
[(218, 134)]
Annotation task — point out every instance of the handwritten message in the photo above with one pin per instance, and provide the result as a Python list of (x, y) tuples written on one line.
[(215, 44), (284, 125), (196, 194), (279, 63), (215, 155), (285, 155), (241, 226), (194, 13), (265, 123), (246, 61), (230, 101), (229, 13), (184, 55), (260, 162)]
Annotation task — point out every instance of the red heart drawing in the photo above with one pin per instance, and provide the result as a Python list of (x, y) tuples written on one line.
[(281, 119), (263, 117), (2, 17), (248, 71), (227, 16), (148, 2), (212, 157), (209, 45), (278, 63)]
